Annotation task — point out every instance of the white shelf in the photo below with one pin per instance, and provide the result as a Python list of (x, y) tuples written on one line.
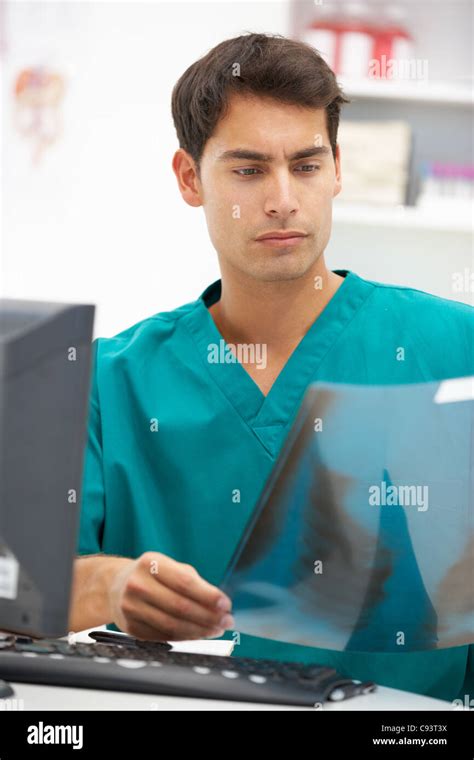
[(404, 217), (418, 91)]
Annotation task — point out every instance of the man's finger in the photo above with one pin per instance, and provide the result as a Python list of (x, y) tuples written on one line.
[(185, 580), (156, 624), (183, 607)]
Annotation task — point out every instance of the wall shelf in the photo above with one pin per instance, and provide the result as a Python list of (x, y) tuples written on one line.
[(441, 93)]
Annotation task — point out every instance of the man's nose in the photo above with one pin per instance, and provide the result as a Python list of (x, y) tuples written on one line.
[(281, 200)]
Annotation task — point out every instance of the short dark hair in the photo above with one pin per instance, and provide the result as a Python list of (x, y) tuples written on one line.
[(271, 66)]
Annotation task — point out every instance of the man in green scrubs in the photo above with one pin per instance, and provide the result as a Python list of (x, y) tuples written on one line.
[(189, 408)]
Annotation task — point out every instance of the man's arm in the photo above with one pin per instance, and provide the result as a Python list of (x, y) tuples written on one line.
[(152, 597), (90, 599)]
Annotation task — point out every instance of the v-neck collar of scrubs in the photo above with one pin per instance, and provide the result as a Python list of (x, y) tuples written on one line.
[(266, 415)]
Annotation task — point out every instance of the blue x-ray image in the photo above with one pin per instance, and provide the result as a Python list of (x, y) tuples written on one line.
[(362, 538)]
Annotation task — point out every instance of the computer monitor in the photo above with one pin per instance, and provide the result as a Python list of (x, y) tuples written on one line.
[(45, 357)]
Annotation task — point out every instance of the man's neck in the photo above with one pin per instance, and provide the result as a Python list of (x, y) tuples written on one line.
[(277, 314)]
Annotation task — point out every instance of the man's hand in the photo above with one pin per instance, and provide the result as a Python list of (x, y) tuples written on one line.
[(155, 597)]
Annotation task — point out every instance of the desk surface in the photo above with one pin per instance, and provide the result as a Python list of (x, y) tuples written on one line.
[(39, 697), (35, 697)]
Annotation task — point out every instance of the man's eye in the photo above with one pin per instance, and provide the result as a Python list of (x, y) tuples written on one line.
[(304, 169), (312, 167), (251, 169)]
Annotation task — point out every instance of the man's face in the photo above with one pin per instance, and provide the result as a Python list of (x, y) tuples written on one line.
[(246, 197)]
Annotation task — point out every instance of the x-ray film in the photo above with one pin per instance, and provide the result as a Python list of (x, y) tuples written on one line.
[(362, 539)]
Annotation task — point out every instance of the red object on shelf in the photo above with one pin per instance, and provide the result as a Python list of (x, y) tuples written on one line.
[(351, 42), (392, 41), (344, 40)]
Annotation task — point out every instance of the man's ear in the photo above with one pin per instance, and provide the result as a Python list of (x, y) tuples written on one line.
[(338, 180), (186, 173)]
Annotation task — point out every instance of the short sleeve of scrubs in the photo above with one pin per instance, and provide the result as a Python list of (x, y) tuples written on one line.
[(93, 492)]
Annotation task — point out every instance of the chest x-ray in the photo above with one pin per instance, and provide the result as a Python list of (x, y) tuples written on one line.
[(362, 539)]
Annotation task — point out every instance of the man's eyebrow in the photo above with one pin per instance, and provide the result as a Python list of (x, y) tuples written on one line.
[(252, 155)]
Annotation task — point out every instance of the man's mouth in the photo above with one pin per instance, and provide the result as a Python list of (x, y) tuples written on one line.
[(282, 239)]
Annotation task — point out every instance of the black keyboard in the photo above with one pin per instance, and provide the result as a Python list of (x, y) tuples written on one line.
[(153, 668)]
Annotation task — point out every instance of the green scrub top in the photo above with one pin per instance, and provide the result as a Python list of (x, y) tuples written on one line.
[(180, 446)]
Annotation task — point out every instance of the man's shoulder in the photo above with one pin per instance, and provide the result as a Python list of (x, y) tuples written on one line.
[(440, 330), (155, 328), (423, 307)]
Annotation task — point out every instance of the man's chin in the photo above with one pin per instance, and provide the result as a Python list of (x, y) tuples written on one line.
[(276, 276), (279, 270)]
